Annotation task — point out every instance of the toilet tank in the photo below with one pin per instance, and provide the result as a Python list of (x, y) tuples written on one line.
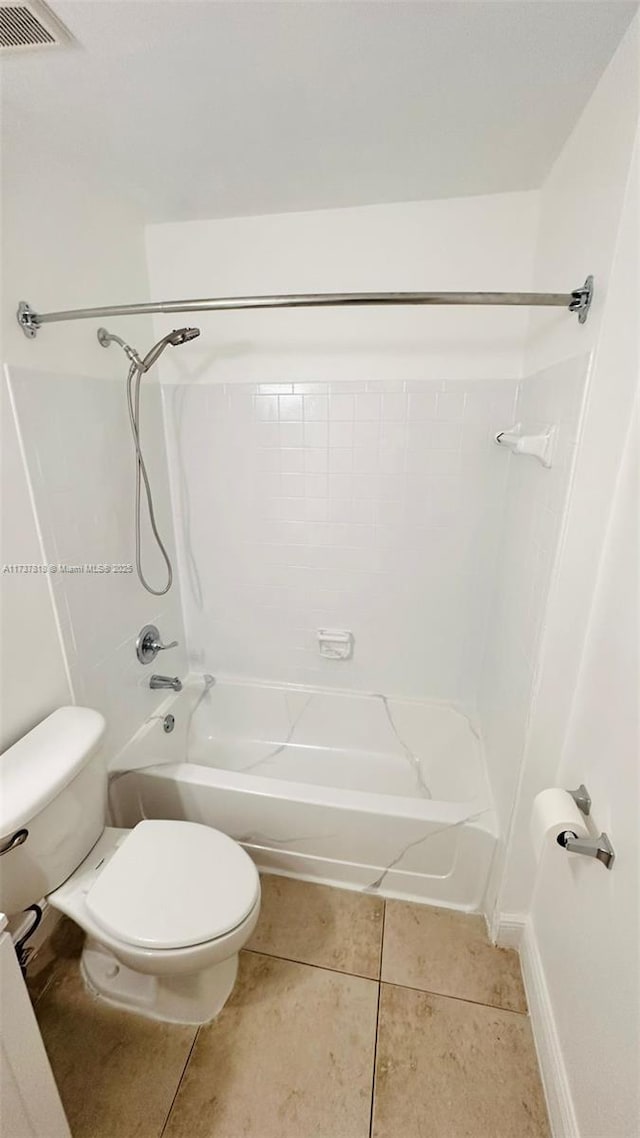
[(53, 788)]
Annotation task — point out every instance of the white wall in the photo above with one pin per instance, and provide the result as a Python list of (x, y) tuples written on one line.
[(34, 679), (66, 244), (337, 468), (582, 721), (589, 214), (585, 919), (459, 244)]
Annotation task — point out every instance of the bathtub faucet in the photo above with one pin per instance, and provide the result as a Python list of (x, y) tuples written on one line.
[(165, 682)]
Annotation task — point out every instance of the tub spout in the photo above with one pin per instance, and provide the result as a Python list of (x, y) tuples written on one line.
[(165, 682)]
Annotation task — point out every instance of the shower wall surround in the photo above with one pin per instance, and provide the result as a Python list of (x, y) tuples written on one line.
[(374, 507), (80, 465), (535, 507)]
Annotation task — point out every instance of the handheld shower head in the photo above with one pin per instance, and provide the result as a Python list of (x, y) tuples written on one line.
[(181, 335), (178, 336)]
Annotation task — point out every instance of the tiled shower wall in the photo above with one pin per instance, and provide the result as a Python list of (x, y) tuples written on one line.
[(372, 507)]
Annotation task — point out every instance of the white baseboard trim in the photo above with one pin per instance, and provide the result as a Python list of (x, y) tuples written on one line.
[(507, 929), (562, 1116)]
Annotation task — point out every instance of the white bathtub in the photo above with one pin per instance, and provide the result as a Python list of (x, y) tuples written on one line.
[(361, 791)]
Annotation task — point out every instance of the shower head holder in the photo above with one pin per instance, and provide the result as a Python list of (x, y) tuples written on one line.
[(106, 338)]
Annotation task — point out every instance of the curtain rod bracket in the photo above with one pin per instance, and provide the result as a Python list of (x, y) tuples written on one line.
[(581, 300), (27, 319)]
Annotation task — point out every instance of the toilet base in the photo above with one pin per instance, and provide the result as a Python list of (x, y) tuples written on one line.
[(192, 998)]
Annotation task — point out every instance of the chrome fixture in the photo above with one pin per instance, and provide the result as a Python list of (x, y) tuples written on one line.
[(168, 724), (175, 338), (599, 848), (105, 338), (149, 644), (138, 368), (156, 683), (582, 798), (12, 843), (178, 336), (578, 301)]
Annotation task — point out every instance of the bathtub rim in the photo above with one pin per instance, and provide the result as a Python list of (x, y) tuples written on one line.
[(475, 812)]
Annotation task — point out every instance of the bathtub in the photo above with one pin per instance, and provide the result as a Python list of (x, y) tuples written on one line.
[(367, 792)]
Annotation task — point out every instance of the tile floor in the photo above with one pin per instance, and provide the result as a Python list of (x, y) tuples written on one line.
[(352, 1018)]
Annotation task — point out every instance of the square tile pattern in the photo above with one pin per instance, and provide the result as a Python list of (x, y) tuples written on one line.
[(352, 1017), (341, 504)]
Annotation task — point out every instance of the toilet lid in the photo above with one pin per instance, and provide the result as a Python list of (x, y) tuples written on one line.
[(174, 884)]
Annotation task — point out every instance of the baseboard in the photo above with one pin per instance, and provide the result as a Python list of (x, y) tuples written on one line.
[(507, 929), (562, 1117)]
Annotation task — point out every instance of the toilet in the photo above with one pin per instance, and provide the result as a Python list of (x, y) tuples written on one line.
[(166, 906)]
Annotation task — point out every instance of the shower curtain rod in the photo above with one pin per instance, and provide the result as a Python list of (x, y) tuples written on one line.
[(577, 301)]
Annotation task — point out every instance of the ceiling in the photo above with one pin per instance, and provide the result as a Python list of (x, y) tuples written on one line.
[(203, 108)]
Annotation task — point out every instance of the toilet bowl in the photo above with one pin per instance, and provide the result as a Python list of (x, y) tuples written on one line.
[(166, 907)]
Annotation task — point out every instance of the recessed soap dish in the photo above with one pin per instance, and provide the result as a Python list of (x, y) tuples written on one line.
[(538, 445), (335, 643)]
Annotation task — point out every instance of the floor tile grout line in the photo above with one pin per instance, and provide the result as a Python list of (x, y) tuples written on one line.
[(309, 964), (460, 999), (375, 1058), (177, 1090), (375, 1041)]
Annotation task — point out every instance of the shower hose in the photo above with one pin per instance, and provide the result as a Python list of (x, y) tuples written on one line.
[(142, 478)]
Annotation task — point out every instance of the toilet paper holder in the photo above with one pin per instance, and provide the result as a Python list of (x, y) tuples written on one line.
[(600, 847), (582, 798)]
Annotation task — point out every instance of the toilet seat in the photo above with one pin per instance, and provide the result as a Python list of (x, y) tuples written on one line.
[(186, 983), (173, 884)]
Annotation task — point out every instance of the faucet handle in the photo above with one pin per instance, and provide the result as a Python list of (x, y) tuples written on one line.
[(158, 647), (149, 644)]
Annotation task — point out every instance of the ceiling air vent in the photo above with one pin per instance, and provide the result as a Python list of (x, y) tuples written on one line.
[(24, 26)]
